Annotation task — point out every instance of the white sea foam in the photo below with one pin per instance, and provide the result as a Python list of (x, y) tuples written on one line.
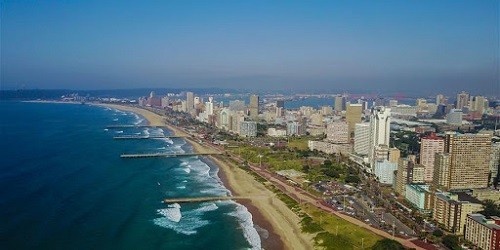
[(162, 148), (138, 121), (181, 187), (119, 132), (184, 181), (116, 119), (187, 170), (173, 212), (146, 131), (106, 129), (186, 223), (249, 231), (207, 207)]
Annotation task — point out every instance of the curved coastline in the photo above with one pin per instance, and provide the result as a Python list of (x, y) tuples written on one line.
[(271, 229)]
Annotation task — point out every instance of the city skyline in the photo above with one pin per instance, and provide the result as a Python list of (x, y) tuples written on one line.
[(364, 46)]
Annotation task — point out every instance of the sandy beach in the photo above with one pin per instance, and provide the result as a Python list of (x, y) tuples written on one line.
[(268, 212)]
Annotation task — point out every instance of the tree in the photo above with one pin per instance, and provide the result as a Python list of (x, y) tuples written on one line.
[(490, 208), (437, 233), (352, 179), (387, 244), (452, 242), (305, 168)]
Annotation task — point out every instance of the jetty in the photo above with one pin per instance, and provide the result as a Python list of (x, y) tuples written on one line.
[(166, 155), (134, 126), (203, 199), (138, 137)]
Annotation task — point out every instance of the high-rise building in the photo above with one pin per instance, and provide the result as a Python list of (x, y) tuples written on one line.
[(380, 121), (254, 107), (384, 171), (280, 103), (405, 173), (429, 146), (362, 138), (419, 196), (462, 100), (479, 103), (337, 132), (189, 101), (494, 164), (441, 175), (353, 116), (467, 163), (440, 99), (450, 210), (455, 117), (340, 103), (248, 128), (209, 106), (483, 232), (294, 128), (394, 155)]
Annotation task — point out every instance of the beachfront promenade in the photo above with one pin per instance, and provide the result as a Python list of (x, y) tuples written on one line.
[(167, 155)]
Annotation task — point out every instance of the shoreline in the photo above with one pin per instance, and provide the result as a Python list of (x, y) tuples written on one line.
[(267, 212)]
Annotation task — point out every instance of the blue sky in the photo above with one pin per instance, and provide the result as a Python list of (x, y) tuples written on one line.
[(425, 46)]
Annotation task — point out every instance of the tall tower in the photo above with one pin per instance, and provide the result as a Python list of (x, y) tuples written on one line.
[(339, 103), (254, 107), (189, 101), (462, 100), (429, 147), (469, 161), (380, 128), (353, 116)]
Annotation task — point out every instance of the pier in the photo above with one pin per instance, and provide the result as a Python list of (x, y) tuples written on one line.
[(137, 137), (203, 199), (165, 155)]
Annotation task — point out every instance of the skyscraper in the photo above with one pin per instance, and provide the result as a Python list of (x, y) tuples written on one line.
[(353, 116), (430, 145), (440, 99), (340, 102), (189, 101), (280, 103), (380, 121), (362, 138), (462, 100), (254, 107), (469, 161), (337, 132)]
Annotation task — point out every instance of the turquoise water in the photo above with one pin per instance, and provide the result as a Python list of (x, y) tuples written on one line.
[(64, 186)]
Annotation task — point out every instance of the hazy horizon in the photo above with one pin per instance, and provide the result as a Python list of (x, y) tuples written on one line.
[(424, 47)]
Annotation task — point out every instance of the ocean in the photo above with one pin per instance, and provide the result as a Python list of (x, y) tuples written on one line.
[(64, 186)]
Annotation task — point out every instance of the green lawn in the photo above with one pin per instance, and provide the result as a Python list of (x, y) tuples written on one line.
[(349, 235)]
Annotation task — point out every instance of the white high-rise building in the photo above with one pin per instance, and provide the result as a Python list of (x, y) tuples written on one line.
[(209, 106), (380, 128), (337, 132), (362, 138)]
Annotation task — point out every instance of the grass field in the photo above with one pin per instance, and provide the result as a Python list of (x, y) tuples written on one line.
[(338, 233)]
